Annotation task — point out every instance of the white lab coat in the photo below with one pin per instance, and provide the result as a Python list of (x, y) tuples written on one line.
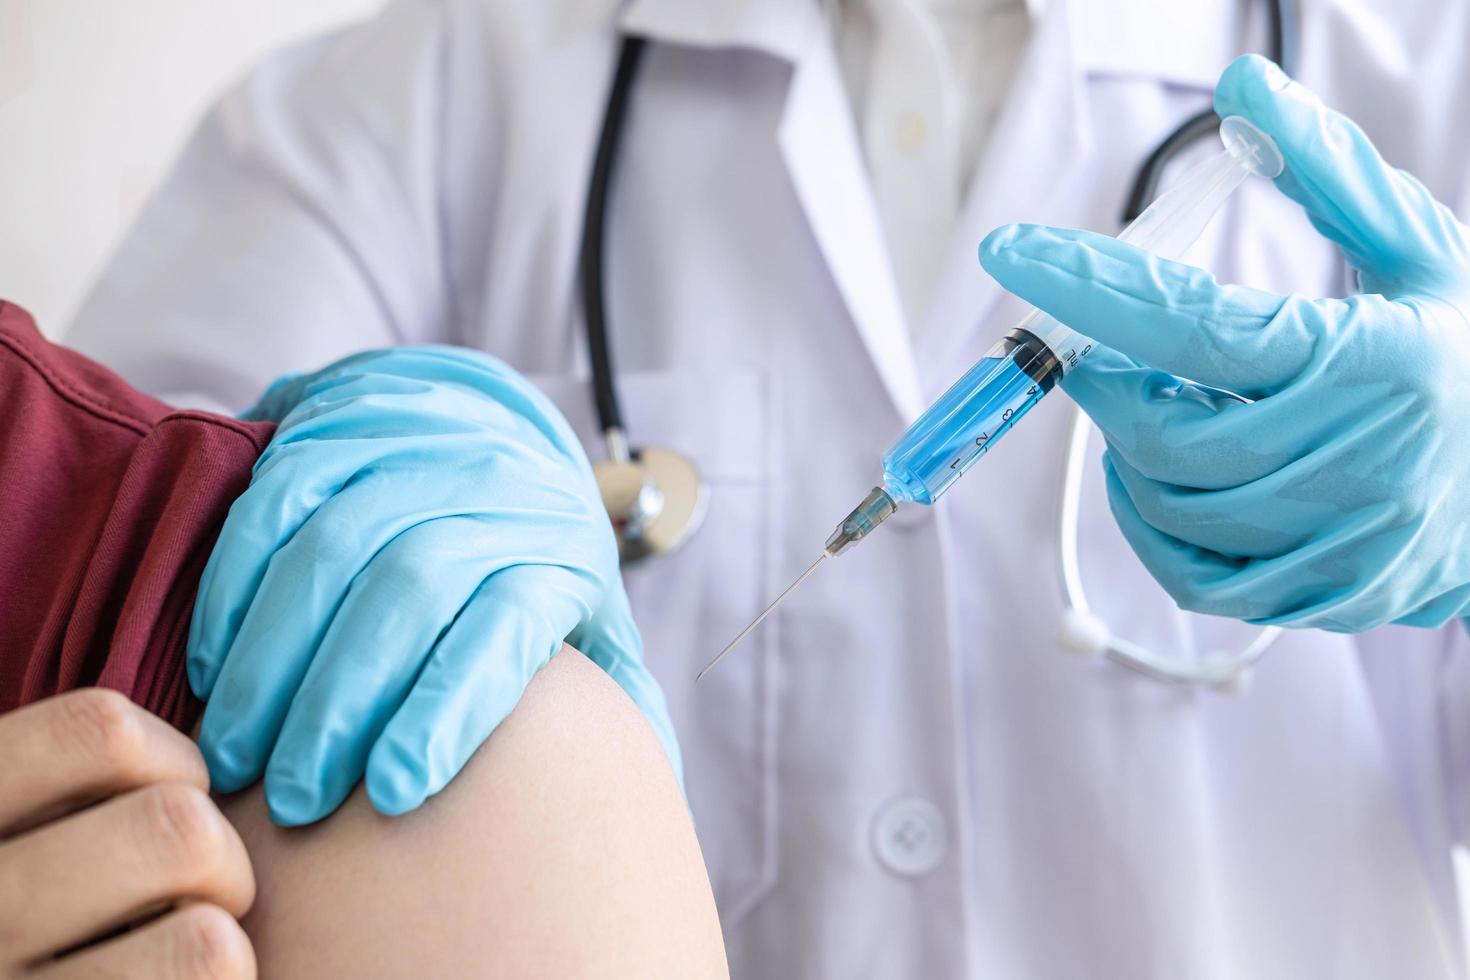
[(902, 774)]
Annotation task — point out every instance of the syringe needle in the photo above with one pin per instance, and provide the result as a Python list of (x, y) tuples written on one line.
[(761, 618)]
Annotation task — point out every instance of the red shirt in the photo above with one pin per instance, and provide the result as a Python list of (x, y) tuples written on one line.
[(110, 503)]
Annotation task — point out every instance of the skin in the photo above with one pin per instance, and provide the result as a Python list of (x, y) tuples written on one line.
[(564, 849), (105, 821)]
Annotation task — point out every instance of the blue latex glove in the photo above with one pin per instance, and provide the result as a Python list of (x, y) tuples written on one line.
[(1339, 496), (417, 541)]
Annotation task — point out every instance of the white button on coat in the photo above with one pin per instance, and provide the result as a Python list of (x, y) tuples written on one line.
[(910, 133), (910, 837)]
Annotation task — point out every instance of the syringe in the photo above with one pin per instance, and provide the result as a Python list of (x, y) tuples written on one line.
[(1015, 374)]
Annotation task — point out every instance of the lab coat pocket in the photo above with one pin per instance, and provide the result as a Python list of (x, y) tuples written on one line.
[(690, 603)]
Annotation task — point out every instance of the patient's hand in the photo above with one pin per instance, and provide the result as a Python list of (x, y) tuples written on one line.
[(563, 850), (153, 848)]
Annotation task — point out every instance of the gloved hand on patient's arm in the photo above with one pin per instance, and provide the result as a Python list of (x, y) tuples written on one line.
[(1338, 495), (419, 538)]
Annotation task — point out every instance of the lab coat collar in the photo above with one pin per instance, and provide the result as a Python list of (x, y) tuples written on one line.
[(819, 142)]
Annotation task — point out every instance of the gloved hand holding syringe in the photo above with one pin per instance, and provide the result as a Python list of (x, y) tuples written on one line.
[(990, 398)]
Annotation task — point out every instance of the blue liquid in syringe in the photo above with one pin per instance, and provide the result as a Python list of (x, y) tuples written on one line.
[(969, 418)]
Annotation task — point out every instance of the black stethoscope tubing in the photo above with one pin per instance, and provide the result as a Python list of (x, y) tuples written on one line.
[(594, 221)]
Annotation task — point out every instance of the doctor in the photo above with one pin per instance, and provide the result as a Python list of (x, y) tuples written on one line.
[(902, 774)]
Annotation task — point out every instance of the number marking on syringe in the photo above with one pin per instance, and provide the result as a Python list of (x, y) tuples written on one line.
[(980, 442), (1008, 418), (1074, 355)]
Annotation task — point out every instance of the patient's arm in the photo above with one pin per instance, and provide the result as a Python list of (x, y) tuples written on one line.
[(564, 849)]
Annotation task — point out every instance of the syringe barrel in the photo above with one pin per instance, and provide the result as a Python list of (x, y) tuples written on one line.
[(964, 422)]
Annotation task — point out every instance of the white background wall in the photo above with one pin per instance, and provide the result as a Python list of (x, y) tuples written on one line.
[(96, 98)]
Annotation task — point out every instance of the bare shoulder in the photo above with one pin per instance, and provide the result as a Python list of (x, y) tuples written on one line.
[(563, 850)]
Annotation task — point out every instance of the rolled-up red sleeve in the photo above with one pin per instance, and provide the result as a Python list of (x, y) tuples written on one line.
[(110, 503)]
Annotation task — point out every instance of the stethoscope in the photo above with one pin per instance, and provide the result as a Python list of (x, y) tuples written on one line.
[(656, 498)]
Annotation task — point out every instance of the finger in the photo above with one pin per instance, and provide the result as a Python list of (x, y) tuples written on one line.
[(379, 639), (1301, 587), (611, 640), (500, 394), (506, 393), (1389, 226), (292, 481), (1176, 432), (1191, 575), (291, 610), (289, 390), (1165, 314), (285, 491), (1308, 500), (306, 581), (196, 942), (1227, 522), (517, 619), (79, 877), (66, 752)]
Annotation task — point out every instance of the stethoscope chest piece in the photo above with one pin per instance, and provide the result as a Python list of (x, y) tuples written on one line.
[(655, 501)]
